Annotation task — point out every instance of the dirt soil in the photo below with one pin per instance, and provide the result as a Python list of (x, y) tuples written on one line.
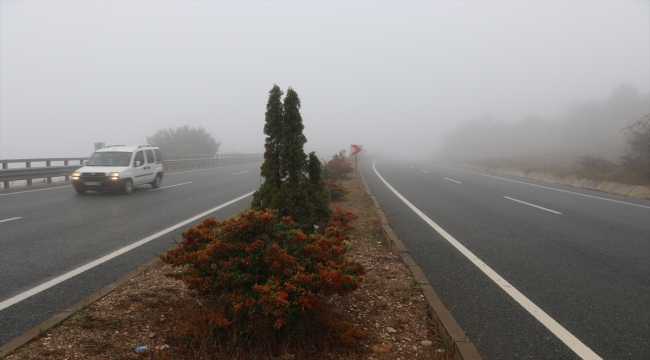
[(150, 309)]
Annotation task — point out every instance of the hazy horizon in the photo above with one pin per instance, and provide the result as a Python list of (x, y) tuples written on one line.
[(392, 76)]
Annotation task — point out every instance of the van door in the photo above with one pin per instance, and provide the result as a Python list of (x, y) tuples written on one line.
[(141, 174), (151, 165)]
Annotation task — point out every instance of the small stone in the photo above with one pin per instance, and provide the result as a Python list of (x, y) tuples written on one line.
[(427, 343), (379, 297), (440, 350), (391, 330), (152, 335), (381, 348)]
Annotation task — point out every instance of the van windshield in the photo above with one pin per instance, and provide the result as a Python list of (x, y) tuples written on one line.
[(112, 158)]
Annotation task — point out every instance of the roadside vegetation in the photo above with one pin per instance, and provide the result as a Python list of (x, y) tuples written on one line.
[(606, 141)]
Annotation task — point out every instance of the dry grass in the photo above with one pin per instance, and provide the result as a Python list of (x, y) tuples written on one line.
[(584, 167), (150, 310)]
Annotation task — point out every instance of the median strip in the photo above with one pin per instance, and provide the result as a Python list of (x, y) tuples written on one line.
[(529, 204), (70, 274)]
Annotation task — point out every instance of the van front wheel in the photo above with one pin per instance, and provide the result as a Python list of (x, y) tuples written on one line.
[(156, 182), (127, 188)]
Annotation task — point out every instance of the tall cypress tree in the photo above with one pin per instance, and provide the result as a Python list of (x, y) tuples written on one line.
[(266, 195), (293, 185), (294, 198)]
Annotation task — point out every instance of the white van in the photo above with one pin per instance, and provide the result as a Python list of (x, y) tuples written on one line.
[(120, 167)]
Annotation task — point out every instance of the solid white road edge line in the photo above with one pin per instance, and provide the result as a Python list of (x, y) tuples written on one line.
[(26, 191), (558, 330), (529, 204), (453, 180), (165, 187), (243, 172), (16, 218), (542, 186), (31, 292)]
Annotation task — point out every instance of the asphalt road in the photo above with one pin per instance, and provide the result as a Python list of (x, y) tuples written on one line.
[(577, 257), (48, 233)]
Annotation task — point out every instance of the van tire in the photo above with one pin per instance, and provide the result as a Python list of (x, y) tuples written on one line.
[(156, 182), (127, 188)]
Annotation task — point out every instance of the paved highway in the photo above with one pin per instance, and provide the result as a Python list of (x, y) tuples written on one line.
[(46, 236), (528, 269)]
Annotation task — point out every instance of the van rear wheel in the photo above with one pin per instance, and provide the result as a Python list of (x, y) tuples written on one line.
[(156, 182), (127, 188)]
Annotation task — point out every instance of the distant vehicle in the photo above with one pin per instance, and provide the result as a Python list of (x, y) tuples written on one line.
[(120, 168)]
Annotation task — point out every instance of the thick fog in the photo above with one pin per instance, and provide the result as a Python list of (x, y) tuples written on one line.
[(594, 127), (396, 77)]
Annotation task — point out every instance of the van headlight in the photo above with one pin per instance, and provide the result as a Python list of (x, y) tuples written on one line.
[(114, 176), (75, 176)]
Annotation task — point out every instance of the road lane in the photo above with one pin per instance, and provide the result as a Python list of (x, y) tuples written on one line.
[(574, 266), (61, 231)]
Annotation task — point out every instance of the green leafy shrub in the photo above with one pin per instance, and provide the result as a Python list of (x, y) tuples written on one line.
[(264, 275), (337, 191)]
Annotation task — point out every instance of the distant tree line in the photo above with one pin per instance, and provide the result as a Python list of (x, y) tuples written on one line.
[(184, 141)]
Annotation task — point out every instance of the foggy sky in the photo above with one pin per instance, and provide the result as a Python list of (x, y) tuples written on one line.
[(392, 76)]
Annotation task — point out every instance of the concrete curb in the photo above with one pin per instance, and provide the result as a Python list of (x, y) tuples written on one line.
[(444, 321), (636, 191), (35, 332)]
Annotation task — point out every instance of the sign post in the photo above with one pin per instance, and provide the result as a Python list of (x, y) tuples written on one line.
[(354, 150)]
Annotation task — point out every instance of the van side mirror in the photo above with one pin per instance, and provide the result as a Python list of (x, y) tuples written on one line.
[(85, 162), (138, 163)]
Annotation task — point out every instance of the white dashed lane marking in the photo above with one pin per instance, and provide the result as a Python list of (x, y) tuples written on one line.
[(529, 204)]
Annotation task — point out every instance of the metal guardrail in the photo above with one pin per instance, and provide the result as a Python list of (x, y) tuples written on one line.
[(28, 173), (171, 163)]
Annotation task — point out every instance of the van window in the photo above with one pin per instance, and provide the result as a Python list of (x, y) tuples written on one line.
[(150, 158), (159, 157), (139, 156)]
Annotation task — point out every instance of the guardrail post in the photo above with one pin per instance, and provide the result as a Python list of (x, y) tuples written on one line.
[(67, 178), (5, 166), (28, 164), (49, 178)]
